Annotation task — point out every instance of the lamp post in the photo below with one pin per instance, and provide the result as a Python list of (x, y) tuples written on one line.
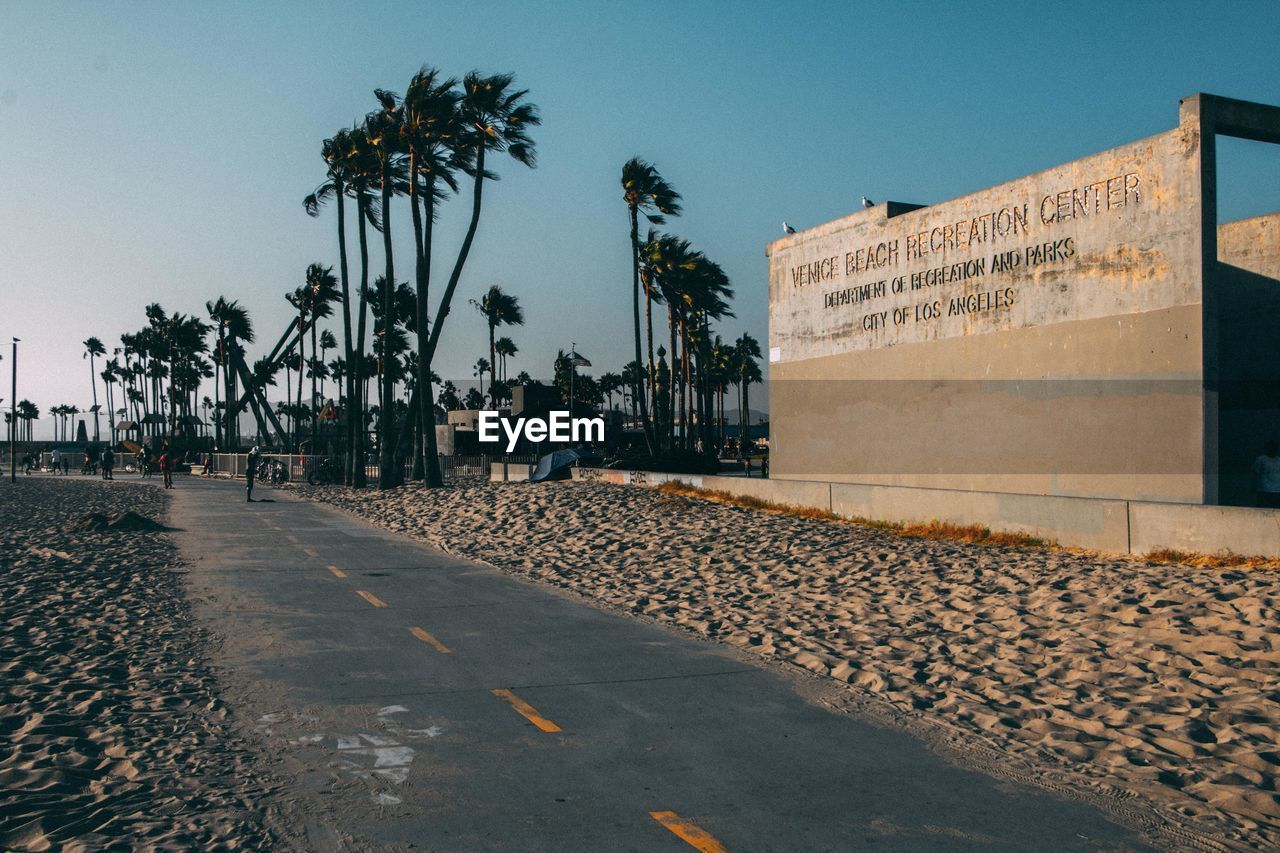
[(13, 416)]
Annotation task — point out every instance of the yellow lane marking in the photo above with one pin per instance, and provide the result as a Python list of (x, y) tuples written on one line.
[(337, 572), (692, 834), (527, 711), (310, 552), (371, 598), (430, 640)]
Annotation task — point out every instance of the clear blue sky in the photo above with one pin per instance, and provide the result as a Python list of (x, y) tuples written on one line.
[(160, 152)]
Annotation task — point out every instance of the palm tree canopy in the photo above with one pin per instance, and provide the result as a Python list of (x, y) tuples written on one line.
[(500, 308), (433, 130), (647, 192), (495, 117), (94, 347), (505, 347), (232, 318)]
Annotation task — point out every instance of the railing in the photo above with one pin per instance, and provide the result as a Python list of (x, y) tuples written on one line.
[(300, 465)]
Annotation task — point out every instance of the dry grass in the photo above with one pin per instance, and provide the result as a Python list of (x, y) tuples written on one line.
[(973, 533), (1221, 560)]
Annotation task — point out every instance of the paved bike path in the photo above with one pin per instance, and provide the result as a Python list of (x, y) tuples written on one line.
[(419, 699)]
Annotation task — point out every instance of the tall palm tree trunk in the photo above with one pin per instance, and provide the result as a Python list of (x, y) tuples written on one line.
[(386, 452), (427, 356), (344, 278), (312, 368), (493, 359), (672, 379), (653, 373), (302, 364), (359, 477), (93, 380), (426, 465), (635, 310)]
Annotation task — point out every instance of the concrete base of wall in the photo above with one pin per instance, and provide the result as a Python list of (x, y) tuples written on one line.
[(1116, 526)]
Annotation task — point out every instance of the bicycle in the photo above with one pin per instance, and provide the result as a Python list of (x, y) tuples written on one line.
[(326, 472), (273, 471)]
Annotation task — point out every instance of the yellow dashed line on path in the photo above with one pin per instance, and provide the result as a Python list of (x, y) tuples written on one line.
[(527, 711), (310, 552), (690, 833), (337, 572), (371, 598), (430, 640)]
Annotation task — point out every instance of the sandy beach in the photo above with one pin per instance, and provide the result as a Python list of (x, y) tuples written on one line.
[(1150, 689), (112, 725)]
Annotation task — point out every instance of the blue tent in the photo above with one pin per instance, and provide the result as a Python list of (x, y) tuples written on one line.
[(556, 465)]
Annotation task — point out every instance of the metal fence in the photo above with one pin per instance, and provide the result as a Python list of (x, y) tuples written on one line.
[(300, 467)]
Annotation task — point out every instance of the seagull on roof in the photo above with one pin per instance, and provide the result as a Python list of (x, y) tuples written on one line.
[(787, 229), (866, 202)]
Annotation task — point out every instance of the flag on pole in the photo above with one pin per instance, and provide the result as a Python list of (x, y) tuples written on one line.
[(578, 360)]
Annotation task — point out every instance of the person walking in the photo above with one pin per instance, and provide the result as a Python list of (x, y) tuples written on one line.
[(55, 460), (166, 465), (108, 462), (250, 470)]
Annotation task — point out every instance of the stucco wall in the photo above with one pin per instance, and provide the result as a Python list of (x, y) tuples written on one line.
[(1057, 351)]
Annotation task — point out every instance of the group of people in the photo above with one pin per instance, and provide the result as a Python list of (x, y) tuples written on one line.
[(104, 462)]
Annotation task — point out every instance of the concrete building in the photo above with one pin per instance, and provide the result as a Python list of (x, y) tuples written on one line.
[(1090, 330)]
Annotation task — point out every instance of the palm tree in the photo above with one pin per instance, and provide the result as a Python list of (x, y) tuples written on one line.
[(432, 129), (234, 330), (449, 399), (92, 349), (504, 348), (492, 117), (386, 136), (645, 192), (338, 370), (365, 180), (482, 367), (350, 169), (29, 412), (670, 265), (327, 342), (499, 309), (610, 383), (745, 352), (314, 301), (110, 375)]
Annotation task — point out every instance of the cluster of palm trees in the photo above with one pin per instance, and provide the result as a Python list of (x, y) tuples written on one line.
[(418, 147), (681, 400), (158, 370), (423, 147), (28, 413), (498, 308)]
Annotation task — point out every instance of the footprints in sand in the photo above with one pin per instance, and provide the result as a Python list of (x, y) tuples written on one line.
[(109, 717), (1123, 676), (382, 756)]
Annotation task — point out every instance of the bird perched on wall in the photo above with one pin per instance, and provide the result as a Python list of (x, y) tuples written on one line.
[(866, 202), (787, 229)]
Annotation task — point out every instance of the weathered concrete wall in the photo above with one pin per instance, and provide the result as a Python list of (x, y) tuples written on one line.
[(1117, 526), (1040, 336), (1094, 523), (1204, 529)]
